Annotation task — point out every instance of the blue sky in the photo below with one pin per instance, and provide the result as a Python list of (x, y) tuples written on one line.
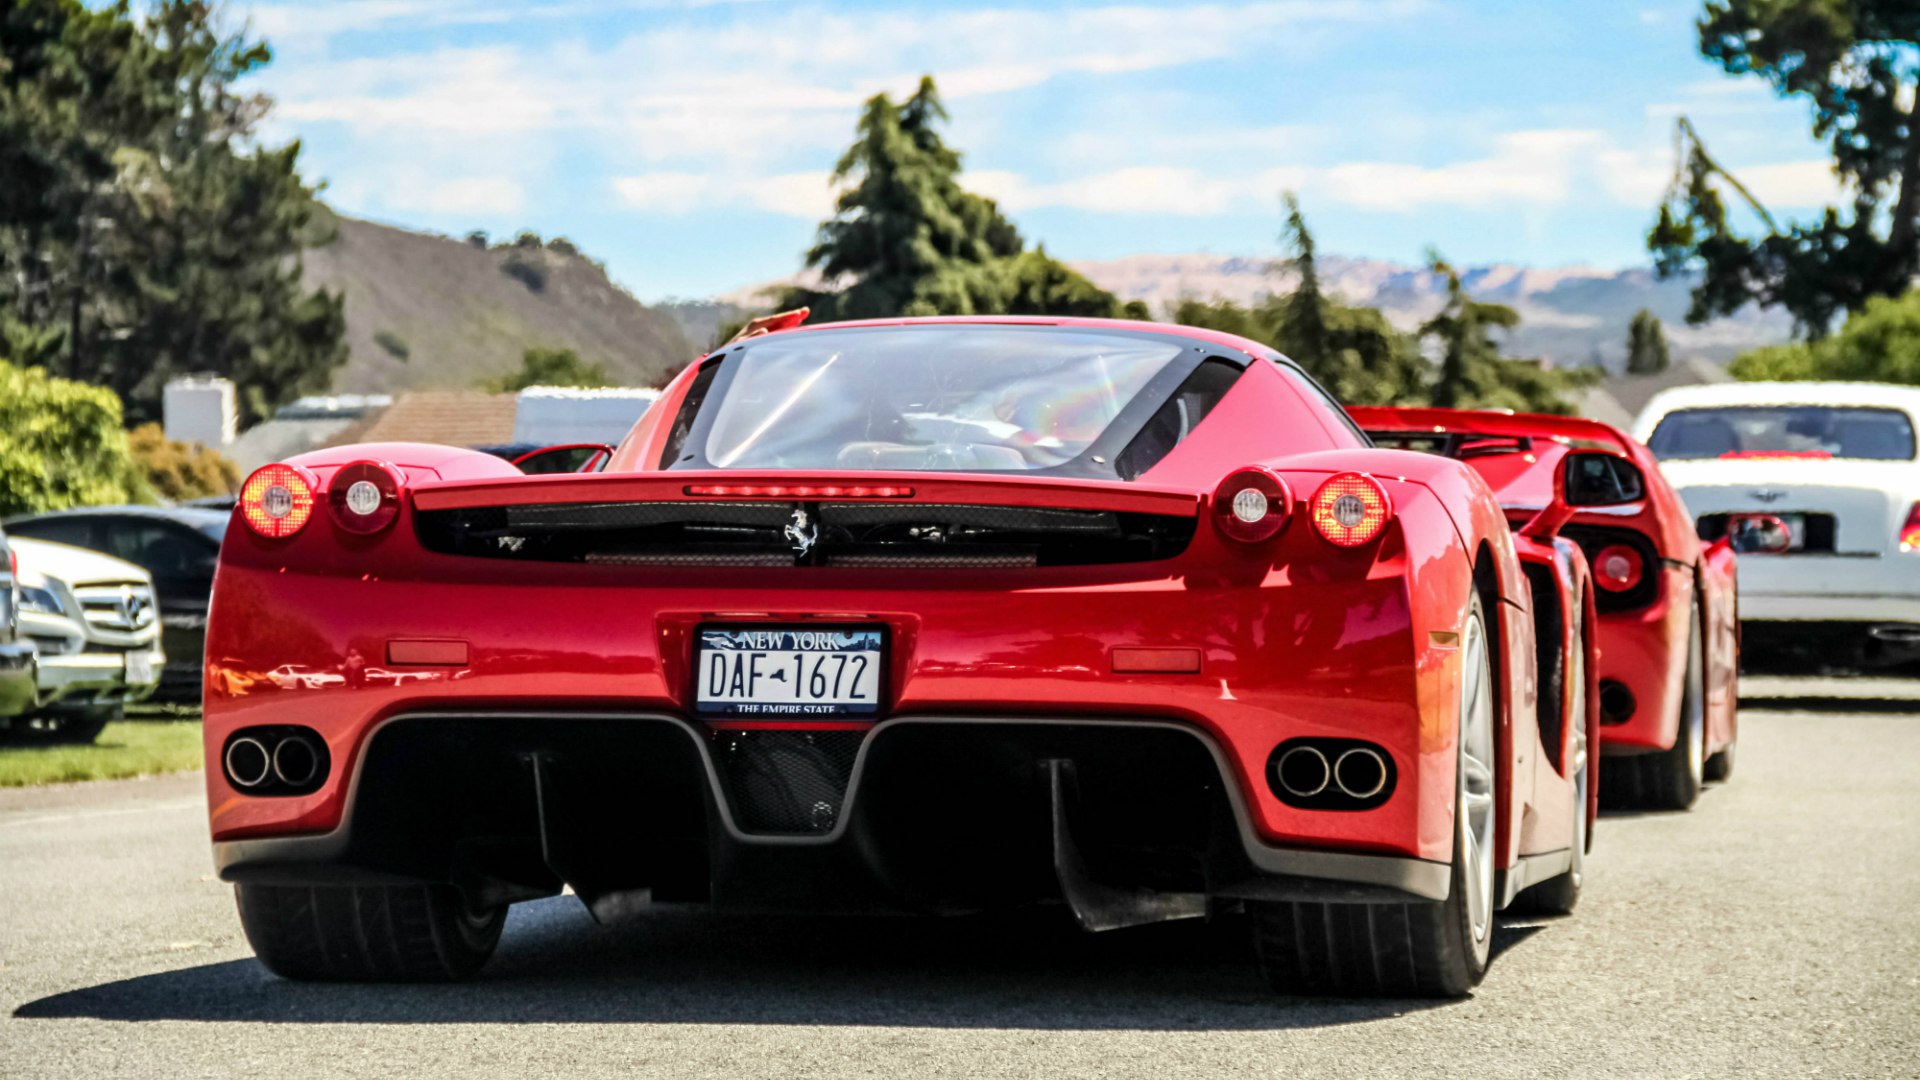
[(687, 144)]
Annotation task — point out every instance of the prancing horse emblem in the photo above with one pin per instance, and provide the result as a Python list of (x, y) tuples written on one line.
[(802, 532)]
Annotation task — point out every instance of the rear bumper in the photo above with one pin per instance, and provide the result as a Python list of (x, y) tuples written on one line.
[(1830, 588), (939, 814)]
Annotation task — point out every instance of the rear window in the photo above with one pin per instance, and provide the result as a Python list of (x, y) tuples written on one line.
[(959, 398), (1815, 431)]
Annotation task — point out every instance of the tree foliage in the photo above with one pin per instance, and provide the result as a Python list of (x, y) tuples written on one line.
[(1646, 345), (1854, 63), (61, 445), (1880, 344), (907, 239), (144, 233), (549, 367), (178, 471)]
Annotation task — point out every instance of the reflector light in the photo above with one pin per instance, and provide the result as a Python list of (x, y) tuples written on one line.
[(1252, 504), (1618, 567), (365, 496), (1910, 532), (801, 491), (277, 500), (1350, 509)]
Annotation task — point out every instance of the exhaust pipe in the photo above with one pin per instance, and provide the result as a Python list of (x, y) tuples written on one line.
[(1360, 772), (1897, 633), (1303, 772), (248, 763), (295, 761)]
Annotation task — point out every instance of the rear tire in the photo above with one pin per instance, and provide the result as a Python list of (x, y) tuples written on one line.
[(373, 933), (1415, 949), (1668, 779)]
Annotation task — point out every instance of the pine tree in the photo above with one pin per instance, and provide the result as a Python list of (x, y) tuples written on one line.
[(1646, 345), (1473, 373), (1353, 351)]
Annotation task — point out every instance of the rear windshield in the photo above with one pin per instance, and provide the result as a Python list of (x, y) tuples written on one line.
[(961, 398), (1815, 431)]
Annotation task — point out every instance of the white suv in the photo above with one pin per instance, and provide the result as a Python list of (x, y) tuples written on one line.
[(93, 621), (1819, 486)]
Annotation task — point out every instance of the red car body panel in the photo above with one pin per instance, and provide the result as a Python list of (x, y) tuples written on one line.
[(1645, 648), (1296, 638)]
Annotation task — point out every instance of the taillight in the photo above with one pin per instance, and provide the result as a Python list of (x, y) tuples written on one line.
[(365, 496), (1910, 532), (277, 500), (1350, 509), (1618, 567), (1252, 504)]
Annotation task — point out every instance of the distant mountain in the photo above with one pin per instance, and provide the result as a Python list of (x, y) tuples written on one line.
[(427, 311), (1570, 315)]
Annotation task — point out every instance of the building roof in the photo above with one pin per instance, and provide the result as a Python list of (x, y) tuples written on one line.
[(449, 417), (1622, 397)]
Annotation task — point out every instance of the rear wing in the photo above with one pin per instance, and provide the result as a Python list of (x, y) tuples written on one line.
[(1493, 424)]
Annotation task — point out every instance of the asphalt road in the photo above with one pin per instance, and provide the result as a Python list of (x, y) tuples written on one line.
[(1773, 931)]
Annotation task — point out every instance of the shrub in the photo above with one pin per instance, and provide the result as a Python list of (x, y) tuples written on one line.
[(62, 445), (560, 245), (531, 272), (548, 367), (395, 345), (179, 471), (478, 238)]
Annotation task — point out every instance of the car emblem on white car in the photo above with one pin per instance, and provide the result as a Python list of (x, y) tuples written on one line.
[(801, 532), (1767, 495)]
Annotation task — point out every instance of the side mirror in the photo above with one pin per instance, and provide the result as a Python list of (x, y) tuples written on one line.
[(1597, 478), (571, 458)]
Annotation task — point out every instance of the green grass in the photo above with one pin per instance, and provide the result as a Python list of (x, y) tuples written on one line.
[(135, 748)]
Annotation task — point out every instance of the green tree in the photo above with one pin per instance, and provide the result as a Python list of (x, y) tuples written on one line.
[(1880, 344), (61, 445), (140, 221), (1472, 372), (1353, 351), (1646, 345), (548, 367), (1853, 62), (907, 239)]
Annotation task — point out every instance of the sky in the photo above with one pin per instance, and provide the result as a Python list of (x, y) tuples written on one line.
[(688, 143)]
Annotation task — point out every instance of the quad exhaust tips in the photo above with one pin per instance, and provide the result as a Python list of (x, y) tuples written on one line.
[(276, 761), (1330, 774)]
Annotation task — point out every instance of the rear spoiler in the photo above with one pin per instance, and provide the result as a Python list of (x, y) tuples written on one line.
[(728, 485), (1492, 422)]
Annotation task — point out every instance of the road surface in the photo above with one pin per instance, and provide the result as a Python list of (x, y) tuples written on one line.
[(1772, 932)]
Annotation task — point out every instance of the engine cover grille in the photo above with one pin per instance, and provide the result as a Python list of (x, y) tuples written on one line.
[(792, 782)]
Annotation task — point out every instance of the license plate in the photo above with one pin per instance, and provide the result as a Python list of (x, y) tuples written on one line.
[(770, 672), (139, 667)]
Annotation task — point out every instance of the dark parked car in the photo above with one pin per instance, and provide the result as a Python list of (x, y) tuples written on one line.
[(178, 545)]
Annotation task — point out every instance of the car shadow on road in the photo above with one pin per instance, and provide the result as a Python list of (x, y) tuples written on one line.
[(1032, 970)]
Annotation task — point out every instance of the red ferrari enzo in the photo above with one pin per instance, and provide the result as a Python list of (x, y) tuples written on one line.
[(915, 616), (1668, 630)]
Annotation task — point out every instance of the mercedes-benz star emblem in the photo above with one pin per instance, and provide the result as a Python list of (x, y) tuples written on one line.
[(801, 532)]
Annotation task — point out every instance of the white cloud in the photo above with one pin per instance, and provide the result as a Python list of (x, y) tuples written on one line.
[(1792, 184), (1533, 167), (804, 195), (1139, 189)]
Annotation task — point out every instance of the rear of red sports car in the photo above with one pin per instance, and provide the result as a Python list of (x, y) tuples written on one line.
[(928, 618)]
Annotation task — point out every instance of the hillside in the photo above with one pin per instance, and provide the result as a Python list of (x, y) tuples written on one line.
[(1570, 315), (459, 316)]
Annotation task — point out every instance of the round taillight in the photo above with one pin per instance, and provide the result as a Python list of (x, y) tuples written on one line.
[(277, 500), (365, 496), (1618, 567), (1252, 504), (1350, 509)]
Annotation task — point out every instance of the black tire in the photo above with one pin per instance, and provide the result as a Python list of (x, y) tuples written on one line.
[(1378, 950), (372, 933), (1667, 779), (1559, 895), (70, 726), (1719, 768)]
